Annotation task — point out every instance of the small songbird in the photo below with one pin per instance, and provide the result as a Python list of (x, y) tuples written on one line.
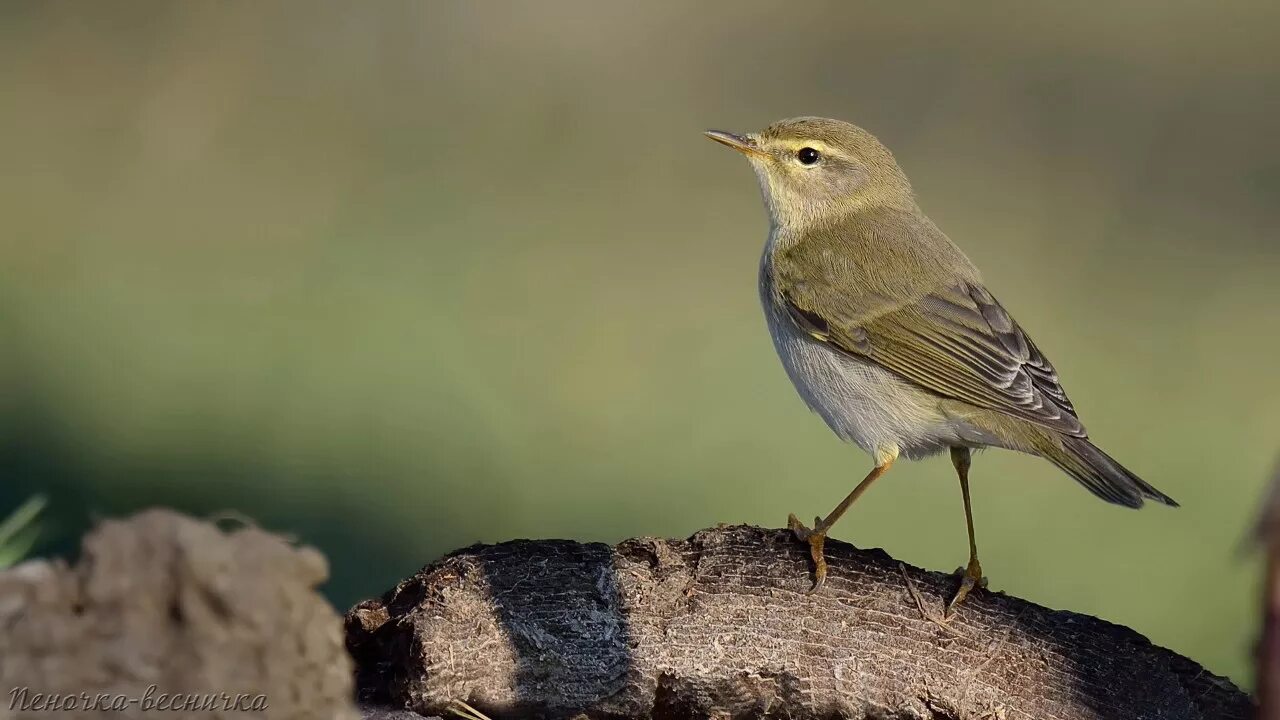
[(889, 334)]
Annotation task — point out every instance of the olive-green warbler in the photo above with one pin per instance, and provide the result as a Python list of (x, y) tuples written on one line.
[(889, 334)]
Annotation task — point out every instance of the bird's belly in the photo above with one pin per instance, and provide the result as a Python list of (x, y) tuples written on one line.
[(862, 402)]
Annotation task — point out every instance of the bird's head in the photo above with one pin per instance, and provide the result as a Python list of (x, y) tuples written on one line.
[(814, 169)]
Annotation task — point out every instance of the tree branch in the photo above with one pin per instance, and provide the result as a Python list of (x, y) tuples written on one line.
[(720, 624)]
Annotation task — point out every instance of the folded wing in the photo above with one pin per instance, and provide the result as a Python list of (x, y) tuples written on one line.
[(958, 342)]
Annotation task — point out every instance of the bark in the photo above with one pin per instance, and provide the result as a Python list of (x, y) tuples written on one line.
[(720, 625)]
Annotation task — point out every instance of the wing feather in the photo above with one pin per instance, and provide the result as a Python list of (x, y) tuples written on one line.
[(959, 343)]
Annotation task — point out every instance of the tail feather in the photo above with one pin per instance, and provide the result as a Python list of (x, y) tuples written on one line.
[(1105, 477)]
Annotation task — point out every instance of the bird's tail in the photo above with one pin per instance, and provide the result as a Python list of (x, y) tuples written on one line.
[(1103, 476)]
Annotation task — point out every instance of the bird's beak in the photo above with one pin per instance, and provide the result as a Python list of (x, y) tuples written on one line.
[(742, 143)]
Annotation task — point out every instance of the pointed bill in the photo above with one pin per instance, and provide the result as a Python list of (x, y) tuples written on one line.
[(744, 144)]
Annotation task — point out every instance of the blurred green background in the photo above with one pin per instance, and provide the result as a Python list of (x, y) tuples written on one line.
[(401, 277)]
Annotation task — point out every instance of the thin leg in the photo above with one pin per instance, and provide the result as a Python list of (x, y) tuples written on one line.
[(961, 458), (818, 535)]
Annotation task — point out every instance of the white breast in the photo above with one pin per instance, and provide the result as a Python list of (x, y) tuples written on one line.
[(862, 403)]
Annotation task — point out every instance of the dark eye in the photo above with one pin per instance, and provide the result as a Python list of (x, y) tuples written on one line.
[(808, 156)]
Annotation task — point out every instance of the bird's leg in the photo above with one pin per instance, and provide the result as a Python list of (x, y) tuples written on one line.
[(818, 535), (961, 458)]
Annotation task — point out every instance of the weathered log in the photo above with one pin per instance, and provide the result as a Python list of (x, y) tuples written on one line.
[(721, 625)]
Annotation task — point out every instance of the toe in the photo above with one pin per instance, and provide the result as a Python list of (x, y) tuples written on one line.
[(798, 528), (966, 585), (974, 571), (819, 579)]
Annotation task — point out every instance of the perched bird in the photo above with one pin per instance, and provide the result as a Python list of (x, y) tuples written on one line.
[(889, 334)]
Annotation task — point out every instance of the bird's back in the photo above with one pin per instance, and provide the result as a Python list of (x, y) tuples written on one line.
[(856, 249)]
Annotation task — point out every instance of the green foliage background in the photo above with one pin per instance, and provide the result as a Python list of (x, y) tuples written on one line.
[(401, 277)]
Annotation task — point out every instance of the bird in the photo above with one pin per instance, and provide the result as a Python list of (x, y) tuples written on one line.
[(889, 333)]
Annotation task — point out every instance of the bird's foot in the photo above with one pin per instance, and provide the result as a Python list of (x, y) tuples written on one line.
[(816, 538), (971, 578)]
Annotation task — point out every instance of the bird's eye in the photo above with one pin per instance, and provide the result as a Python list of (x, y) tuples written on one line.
[(808, 156)]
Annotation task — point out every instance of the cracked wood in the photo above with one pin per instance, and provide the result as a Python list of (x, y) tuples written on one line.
[(720, 625)]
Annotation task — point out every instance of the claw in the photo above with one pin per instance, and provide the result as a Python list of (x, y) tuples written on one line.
[(816, 539), (972, 578), (797, 528)]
